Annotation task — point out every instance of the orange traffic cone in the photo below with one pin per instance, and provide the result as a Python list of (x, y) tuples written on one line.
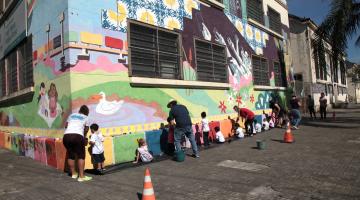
[(148, 192), (288, 136)]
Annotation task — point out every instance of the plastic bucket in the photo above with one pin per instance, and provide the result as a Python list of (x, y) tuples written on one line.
[(179, 156), (260, 144)]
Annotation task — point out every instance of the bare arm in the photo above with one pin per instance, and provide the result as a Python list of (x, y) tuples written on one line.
[(137, 157)]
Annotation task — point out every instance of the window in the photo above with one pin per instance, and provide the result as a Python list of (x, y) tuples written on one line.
[(320, 66), (2, 78), (154, 52), (255, 10), (336, 78), (25, 64), (278, 72), (274, 20), (235, 8), (342, 73), (12, 72), (260, 71), (210, 62)]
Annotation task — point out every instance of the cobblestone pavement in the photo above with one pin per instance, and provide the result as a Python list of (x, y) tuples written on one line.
[(323, 163)]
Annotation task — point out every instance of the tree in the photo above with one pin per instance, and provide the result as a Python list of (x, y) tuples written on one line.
[(342, 23)]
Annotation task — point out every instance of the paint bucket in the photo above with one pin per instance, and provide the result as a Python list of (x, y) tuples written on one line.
[(179, 156), (260, 144)]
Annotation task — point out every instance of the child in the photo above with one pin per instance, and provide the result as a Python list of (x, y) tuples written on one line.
[(96, 140), (142, 152), (205, 128), (219, 136), (171, 146), (239, 132), (258, 126), (271, 122), (266, 125)]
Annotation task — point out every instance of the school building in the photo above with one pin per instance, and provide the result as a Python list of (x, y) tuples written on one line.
[(125, 59), (312, 77)]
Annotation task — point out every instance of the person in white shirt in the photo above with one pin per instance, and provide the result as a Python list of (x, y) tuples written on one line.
[(96, 140), (258, 126), (143, 153), (205, 128), (266, 125), (77, 126), (219, 136), (239, 131)]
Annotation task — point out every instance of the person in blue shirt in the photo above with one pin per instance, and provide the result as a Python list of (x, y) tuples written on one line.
[(179, 115)]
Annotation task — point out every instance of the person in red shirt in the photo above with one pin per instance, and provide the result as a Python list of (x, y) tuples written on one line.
[(249, 117)]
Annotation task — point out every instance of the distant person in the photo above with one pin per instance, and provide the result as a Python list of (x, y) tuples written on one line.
[(142, 152), (219, 136), (239, 133), (323, 105), (96, 141), (311, 106), (279, 112), (249, 117), (77, 126), (295, 111), (180, 116), (205, 128)]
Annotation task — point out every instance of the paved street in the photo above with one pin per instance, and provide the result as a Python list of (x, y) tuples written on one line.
[(323, 163)]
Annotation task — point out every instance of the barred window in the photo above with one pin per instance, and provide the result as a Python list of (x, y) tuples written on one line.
[(260, 71), (12, 72), (235, 7), (274, 20), (25, 64), (279, 75), (342, 73), (210, 62), (154, 52), (255, 10), (2, 78)]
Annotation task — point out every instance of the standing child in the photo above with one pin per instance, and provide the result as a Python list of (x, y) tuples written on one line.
[(219, 136), (143, 153), (96, 140), (238, 131), (205, 128)]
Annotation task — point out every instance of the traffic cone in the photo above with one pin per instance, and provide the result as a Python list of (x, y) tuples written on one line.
[(288, 136), (148, 192)]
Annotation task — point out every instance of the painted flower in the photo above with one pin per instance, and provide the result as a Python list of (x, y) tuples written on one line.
[(172, 23), (189, 5), (122, 9), (257, 35), (172, 4), (249, 32), (222, 107), (239, 26), (146, 16), (252, 98)]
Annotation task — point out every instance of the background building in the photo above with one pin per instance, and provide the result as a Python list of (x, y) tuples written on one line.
[(126, 58), (310, 76), (353, 80)]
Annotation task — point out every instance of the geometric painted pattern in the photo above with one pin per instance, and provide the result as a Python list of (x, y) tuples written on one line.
[(254, 36), (163, 13)]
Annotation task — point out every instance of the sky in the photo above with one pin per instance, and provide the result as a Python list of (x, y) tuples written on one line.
[(317, 11)]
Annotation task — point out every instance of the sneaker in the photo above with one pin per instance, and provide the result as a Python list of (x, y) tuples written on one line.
[(75, 176), (86, 178), (196, 156)]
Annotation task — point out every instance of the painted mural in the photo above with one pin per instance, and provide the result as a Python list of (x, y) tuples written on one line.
[(93, 69)]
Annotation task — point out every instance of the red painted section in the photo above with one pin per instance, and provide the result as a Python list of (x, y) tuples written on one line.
[(225, 128), (113, 42), (212, 132), (35, 55), (51, 152), (2, 140), (40, 150)]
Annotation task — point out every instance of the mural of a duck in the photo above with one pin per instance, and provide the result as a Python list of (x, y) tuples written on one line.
[(107, 107)]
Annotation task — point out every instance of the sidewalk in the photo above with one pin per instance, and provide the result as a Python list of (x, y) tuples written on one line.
[(323, 163)]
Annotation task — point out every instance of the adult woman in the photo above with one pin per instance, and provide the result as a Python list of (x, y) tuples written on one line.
[(278, 111), (77, 126)]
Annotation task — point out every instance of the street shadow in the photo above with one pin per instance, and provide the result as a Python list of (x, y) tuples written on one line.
[(139, 195), (277, 140)]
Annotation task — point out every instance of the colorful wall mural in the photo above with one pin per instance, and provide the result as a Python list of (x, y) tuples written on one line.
[(91, 67)]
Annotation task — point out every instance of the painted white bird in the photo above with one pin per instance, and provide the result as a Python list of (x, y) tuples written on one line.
[(108, 107)]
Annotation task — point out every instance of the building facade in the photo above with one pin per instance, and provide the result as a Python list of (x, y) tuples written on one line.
[(353, 80), (126, 59), (310, 76)]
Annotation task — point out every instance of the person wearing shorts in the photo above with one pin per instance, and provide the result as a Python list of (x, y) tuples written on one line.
[(74, 142), (96, 141)]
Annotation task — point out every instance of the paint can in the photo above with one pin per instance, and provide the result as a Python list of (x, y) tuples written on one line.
[(260, 144), (179, 156)]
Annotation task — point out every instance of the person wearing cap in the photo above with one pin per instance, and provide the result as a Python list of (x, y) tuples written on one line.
[(180, 116)]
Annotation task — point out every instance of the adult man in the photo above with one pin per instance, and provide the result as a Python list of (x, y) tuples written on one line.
[(179, 115), (249, 117), (295, 112), (311, 106), (323, 105)]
